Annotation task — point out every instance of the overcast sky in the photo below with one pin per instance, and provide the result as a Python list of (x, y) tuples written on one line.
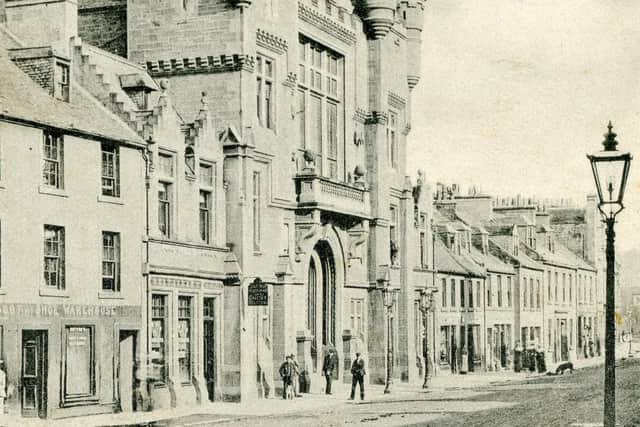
[(514, 93)]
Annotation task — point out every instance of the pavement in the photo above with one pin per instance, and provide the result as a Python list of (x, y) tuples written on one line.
[(225, 411)]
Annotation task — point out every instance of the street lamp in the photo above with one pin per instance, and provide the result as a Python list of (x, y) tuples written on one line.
[(388, 296), (426, 304), (610, 171)]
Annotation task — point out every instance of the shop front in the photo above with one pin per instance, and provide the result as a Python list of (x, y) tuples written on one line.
[(65, 360)]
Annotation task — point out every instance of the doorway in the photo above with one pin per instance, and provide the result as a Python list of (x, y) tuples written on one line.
[(126, 370), (34, 373), (209, 346)]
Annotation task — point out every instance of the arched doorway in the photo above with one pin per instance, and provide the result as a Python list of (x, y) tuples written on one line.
[(321, 300)]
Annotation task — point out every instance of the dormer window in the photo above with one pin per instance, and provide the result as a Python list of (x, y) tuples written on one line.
[(61, 87)]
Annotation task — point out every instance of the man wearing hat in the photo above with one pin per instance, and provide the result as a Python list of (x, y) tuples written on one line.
[(357, 376), (327, 370), (3, 388), (295, 375)]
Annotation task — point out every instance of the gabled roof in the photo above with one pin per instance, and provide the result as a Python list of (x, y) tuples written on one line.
[(23, 100), (491, 263), (499, 245), (448, 262)]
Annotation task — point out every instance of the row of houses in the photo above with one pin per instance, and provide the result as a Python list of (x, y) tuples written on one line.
[(516, 274), (158, 158)]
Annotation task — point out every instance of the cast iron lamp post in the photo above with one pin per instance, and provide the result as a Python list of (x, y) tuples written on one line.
[(426, 304), (610, 171), (388, 294)]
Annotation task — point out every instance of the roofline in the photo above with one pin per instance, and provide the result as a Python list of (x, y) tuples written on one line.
[(72, 132)]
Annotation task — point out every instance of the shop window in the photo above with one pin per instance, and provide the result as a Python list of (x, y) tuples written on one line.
[(54, 257), (110, 170), (79, 378), (184, 339), (110, 261), (158, 336)]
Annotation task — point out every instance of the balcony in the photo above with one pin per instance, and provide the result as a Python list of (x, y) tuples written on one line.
[(316, 192)]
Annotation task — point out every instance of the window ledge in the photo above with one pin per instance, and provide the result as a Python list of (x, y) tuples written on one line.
[(110, 199), (110, 295), (59, 192), (46, 292), (3, 291)]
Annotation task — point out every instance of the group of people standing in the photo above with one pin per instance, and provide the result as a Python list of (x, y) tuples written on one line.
[(290, 374), (530, 359)]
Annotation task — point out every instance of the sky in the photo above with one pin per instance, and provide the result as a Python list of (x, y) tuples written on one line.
[(515, 93)]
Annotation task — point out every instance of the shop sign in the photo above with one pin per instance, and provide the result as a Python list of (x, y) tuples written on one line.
[(258, 293), (8, 310)]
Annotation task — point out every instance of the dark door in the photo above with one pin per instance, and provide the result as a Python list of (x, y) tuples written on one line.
[(34, 373), (470, 349), (209, 346)]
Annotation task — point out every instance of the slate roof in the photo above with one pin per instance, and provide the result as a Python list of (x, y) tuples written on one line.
[(24, 100), (448, 262), (491, 263), (501, 243)]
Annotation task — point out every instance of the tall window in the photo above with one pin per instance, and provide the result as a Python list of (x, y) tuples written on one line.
[(392, 139), (53, 155), (564, 287), (184, 339), (424, 249), (54, 256), (570, 287), (462, 294), (110, 261), (470, 289), (453, 292), (531, 293), (591, 290), (524, 292), (478, 294), (205, 216), (538, 292), (444, 292), (158, 335), (110, 170), (556, 286), (509, 302), (256, 202), (79, 378), (166, 169), (205, 206), (499, 290), (393, 234), (489, 290), (320, 95), (356, 314), (549, 285), (264, 90), (61, 88), (164, 209)]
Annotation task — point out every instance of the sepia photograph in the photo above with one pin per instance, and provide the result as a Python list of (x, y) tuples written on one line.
[(271, 213)]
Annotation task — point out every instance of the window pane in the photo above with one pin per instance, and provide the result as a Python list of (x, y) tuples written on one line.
[(184, 338), (79, 378), (158, 335)]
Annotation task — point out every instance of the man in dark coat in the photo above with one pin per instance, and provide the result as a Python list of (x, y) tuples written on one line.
[(286, 373), (357, 376), (517, 358), (542, 366), (328, 365), (454, 358)]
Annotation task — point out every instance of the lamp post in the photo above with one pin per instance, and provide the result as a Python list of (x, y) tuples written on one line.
[(426, 303), (388, 297), (610, 171)]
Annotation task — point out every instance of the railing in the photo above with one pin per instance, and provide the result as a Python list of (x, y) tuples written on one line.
[(323, 193)]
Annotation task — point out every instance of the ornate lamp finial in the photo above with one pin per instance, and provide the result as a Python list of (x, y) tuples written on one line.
[(610, 142)]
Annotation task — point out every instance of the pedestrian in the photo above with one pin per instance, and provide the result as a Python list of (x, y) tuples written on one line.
[(295, 380), (328, 365), (542, 366), (454, 358), (464, 365), (517, 357), (357, 376), (591, 353), (532, 358), (503, 355), (3, 389), (286, 373)]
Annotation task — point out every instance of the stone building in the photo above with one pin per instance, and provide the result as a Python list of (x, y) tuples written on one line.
[(293, 121), (71, 206)]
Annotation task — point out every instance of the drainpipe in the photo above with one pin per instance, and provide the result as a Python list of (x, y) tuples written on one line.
[(484, 321), (147, 182)]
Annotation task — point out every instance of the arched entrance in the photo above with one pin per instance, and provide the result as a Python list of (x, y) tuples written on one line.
[(321, 301)]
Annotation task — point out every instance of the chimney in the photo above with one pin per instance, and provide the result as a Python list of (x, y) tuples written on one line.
[(43, 23)]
